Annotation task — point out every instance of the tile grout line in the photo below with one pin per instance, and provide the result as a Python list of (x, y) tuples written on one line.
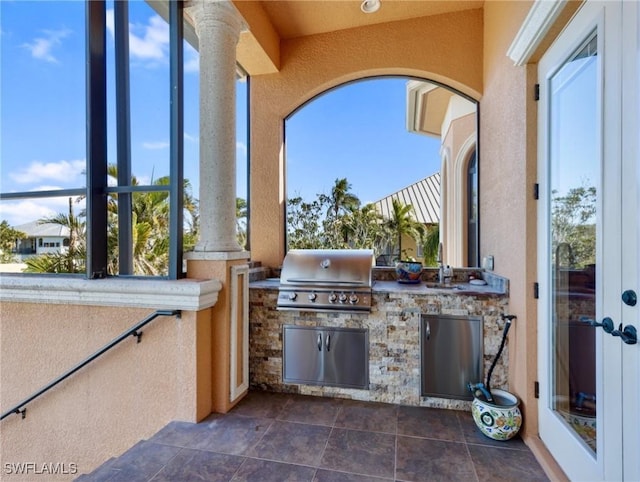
[(395, 458), (466, 446)]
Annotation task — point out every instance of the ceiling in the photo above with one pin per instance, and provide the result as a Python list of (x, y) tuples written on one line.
[(299, 18)]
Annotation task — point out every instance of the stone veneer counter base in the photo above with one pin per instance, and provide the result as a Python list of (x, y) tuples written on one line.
[(394, 338)]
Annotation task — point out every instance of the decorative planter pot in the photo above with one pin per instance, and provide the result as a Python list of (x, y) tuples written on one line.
[(583, 424), (500, 419), (408, 271)]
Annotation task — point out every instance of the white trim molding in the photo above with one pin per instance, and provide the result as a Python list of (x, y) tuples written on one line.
[(239, 331), (186, 294), (535, 26), (216, 255)]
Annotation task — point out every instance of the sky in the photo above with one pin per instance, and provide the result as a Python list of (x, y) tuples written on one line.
[(356, 131)]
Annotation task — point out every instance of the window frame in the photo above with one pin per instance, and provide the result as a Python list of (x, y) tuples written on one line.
[(97, 189)]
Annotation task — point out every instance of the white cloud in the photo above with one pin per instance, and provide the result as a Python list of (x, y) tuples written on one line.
[(28, 210), (43, 171), (164, 144), (144, 180), (241, 147), (192, 59), (192, 65), (148, 42), (45, 187), (110, 22), (41, 47), (25, 211), (156, 145)]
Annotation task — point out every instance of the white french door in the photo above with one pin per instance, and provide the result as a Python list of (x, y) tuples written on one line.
[(589, 366)]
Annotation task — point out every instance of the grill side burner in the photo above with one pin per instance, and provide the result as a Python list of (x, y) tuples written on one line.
[(326, 280)]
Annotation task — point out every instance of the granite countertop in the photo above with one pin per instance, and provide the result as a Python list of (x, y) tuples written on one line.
[(422, 288), (425, 288), (268, 283)]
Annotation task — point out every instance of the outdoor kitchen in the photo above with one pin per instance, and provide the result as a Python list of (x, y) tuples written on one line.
[(331, 324)]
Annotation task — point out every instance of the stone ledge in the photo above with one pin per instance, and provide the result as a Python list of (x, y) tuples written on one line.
[(187, 294)]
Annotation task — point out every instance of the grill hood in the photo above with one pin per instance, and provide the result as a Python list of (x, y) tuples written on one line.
[(326, 280)]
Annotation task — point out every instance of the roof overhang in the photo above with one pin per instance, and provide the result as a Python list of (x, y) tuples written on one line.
[(427, 106), (432, 108)]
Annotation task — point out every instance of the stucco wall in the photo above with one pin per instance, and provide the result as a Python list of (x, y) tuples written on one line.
[(507, 176), (127, 394), (429, 47), (457, 143)]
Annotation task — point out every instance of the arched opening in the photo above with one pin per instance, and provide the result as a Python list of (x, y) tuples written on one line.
[(364, 168)]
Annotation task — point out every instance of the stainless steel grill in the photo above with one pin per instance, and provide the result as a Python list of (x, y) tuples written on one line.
[(326, 280)]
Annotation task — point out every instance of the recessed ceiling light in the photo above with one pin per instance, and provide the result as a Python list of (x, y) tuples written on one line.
[(370, 6)]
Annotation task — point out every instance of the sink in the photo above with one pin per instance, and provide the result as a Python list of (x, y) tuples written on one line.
[(442, 286)]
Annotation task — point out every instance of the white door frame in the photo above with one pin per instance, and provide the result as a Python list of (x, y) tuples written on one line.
[(630, 236), (576, 459)]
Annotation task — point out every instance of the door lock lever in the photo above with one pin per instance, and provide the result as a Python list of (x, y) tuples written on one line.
[(629, 334), (607, 323)]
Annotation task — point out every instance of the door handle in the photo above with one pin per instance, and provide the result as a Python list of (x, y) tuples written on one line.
[(427, 330), (628, 334), (319, 342), (607, 323), (328, 342)]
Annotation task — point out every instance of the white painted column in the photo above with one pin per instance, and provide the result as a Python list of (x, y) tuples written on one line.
[(218, 26)]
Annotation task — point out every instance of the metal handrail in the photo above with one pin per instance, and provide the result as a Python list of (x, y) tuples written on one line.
[(21, 409)]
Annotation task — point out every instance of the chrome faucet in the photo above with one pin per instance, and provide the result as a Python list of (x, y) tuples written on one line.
[(440, 265)]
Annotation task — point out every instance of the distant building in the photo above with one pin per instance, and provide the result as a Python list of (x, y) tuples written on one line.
[(424, 196), (42, 239), (438, 112)]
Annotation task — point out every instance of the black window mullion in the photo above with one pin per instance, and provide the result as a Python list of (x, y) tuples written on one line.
[(176, 197), (123, 129), (248, 144), (96, 86)]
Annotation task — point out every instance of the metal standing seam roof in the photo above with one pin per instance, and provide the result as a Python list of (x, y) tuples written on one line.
[(34, 229), (423, 195)]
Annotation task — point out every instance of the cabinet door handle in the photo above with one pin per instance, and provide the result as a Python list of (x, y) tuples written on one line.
[(427, 331), (328, 342), (319, 341)]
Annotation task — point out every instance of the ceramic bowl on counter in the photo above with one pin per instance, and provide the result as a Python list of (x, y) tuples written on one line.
[(408, 271)]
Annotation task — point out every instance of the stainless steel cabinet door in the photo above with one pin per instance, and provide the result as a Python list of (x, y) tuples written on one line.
[(452, 355), (326, 356)]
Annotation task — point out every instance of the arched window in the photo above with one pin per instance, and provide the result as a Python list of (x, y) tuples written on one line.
[(472, 211)]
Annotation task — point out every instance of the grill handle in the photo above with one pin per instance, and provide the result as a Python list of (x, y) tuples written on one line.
[(325, 282)]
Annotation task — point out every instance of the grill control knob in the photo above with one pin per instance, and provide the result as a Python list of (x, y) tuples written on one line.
[(292, 296), (312, 296), (343, 298), (332, 298), (353, 299)]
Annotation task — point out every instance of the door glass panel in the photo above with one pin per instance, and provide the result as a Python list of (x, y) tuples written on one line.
[(574, 176)]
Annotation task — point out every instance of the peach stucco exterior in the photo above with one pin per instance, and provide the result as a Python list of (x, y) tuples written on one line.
[(180, 369), (429, 48), (458, 142), (475, 64), (128, 394)]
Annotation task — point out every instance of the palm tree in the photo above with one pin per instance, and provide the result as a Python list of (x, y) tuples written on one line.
[(241, 221), (430, 244), (70, 261), (8, 240), (150, 226), (341, 200), (402, 223), (363, 227), (340, 203)]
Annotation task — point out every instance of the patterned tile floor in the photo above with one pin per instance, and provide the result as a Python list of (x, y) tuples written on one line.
[(283, 437)]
